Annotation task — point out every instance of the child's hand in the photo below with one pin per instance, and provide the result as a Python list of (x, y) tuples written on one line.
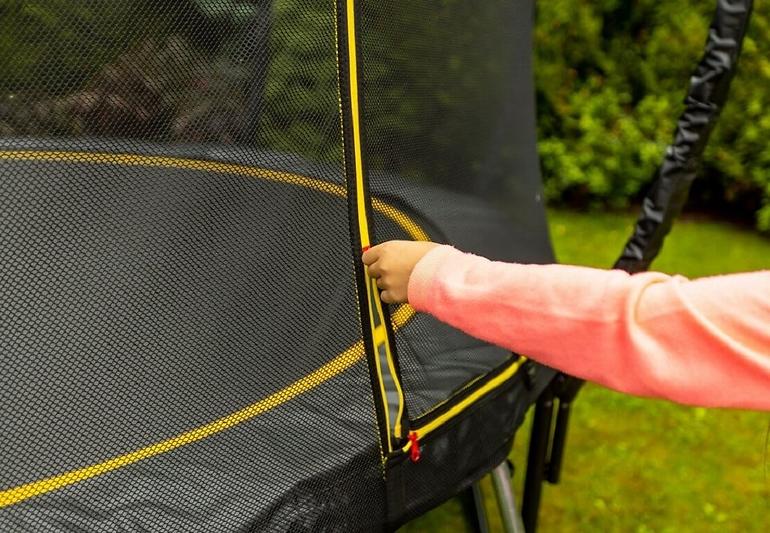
[(391, 264)]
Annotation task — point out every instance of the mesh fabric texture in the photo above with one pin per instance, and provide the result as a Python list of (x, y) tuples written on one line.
[(181, 344), (450, 137), (177, 293)]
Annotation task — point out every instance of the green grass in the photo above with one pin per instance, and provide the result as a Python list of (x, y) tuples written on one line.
[(643, 465)]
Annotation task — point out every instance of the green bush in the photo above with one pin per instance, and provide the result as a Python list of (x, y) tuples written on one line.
[(611, 76)]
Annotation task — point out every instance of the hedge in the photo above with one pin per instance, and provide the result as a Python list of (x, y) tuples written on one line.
[(610, 78)]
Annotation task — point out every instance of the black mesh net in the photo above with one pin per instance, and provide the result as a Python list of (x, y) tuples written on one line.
[(449, 139), (177, 287), (181, 343)]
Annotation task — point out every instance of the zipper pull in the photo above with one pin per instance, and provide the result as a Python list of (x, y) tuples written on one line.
[(414, 449)]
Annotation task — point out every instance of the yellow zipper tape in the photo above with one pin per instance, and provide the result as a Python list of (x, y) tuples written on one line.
[(466, 402), (376, 314)]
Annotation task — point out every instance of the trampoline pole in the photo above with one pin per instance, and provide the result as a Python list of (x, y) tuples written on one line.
[(481, 511), (506, 502), (540, 436), (256, 45), (566, 389), (472, 500)]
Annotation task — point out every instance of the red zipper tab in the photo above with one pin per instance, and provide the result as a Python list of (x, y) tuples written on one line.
[(414, 449)]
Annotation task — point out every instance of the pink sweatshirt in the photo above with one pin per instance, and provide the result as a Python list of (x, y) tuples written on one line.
[(702, 342)]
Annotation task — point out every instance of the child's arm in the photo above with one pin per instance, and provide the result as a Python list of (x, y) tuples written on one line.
[(703, 342)]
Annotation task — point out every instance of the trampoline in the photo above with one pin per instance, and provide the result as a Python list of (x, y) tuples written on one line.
[(188, 338), (171, 274)]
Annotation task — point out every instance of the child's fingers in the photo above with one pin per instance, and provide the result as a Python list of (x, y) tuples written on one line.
[(385, 297), (375, 270), (371, 256)]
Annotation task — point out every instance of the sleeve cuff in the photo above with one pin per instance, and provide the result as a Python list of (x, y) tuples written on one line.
[(422, 280)]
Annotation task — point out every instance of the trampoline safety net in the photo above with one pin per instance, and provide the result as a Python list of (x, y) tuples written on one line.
[(188, 339)]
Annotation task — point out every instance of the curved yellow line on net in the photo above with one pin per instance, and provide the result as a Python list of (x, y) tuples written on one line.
[(402, 219), (406, 223), (336, 366)]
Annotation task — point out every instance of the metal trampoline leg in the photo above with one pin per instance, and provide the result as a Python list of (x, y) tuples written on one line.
[(472, 500), (506, 502), (481, 511)]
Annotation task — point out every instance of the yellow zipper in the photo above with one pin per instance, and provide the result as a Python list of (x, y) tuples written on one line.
[(383, 355), (417, 434)]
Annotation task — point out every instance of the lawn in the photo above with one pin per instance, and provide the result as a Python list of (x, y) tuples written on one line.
[(641, 465)]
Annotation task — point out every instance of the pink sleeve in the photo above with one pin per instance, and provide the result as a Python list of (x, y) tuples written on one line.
[(702, 342)]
